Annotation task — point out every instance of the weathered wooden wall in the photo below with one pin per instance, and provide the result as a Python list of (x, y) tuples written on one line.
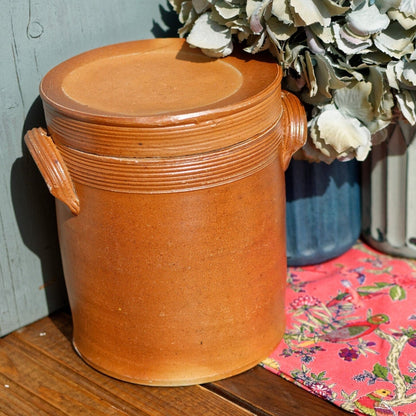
[(35, 36)]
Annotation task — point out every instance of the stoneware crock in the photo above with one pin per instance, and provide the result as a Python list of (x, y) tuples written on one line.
[(168, 171)]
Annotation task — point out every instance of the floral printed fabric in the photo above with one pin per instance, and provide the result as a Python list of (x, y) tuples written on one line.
[(351, 332)]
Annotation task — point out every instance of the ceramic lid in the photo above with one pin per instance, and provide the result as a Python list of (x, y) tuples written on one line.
[(162, 83)]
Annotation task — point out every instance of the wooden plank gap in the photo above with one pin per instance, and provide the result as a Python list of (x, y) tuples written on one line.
[(237, 399), (15, 399), (44, 383), (271, 395), (51, 338), (56, 367)]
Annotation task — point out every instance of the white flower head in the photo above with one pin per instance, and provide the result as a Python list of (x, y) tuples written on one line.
[(367, 20), (350, 43), (338, 135)]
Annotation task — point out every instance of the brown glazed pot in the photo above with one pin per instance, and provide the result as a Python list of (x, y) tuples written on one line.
[(168, 169)]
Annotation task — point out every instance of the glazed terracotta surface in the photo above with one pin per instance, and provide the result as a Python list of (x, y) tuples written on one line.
[(168, 169)]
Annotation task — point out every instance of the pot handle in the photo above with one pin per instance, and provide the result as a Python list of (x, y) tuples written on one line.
[(52, 167), (294, 119)]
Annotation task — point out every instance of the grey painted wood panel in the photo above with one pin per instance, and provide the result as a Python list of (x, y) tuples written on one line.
[(37, 35)]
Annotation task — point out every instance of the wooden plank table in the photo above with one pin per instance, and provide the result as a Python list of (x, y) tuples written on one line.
[(40, 374)]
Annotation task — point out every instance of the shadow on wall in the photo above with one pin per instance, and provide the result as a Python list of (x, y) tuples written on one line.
[(170, 20), (34, 209)]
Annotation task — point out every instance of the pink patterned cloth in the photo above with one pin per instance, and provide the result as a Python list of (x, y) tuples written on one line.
[(351, 332)]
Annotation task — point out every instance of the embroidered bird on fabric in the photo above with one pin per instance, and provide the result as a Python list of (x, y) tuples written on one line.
[(355, 330), (352, 330), (370, 403)]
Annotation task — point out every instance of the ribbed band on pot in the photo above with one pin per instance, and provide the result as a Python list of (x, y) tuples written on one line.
[(175, 173)]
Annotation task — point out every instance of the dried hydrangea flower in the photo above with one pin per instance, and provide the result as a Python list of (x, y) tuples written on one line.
[(338, 135), (212, 38), (354, 60)]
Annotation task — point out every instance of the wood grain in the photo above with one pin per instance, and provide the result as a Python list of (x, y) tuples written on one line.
[(40, 374), (43, 372), (269, 394)]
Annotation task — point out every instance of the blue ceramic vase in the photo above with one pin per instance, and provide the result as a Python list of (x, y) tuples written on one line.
[(323, 210)]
